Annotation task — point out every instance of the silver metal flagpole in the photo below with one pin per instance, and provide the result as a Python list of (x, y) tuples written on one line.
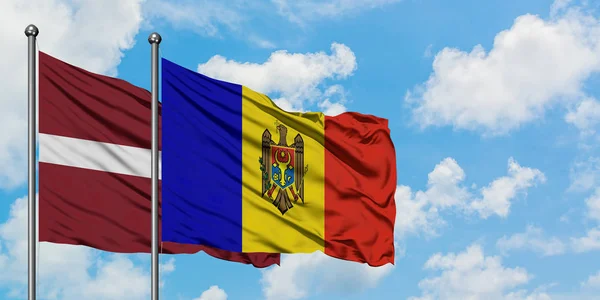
[(154, 39), (31, 32)]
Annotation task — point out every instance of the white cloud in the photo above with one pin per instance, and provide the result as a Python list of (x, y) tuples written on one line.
[(118, 278), (90, 276), (588, 291), (532, 239), (419, 212), (414, 213), (496, 196), (585, 174), (472, 275), (559, 6), (213, 293), (428, 51), (331, 109), (301, 11), (168, 266), (297, 78), (261, 42), (524, 295), (73, 31), (164, 269), (586, 116), (334, 100), (498, 91), (302, 274), (593, 205), (590, 242), (593, 282), (204, 16)]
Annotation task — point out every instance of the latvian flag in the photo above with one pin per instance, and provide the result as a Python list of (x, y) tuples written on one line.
[(94, 165)]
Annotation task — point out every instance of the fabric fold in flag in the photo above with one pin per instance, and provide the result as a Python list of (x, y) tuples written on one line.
[(94, 165), (241, 174)]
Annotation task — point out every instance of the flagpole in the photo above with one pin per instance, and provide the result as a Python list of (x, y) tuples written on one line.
[(154, 39), (31, 32)]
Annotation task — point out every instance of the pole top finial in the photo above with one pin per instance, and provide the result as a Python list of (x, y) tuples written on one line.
[(154, 38), (31, 30)]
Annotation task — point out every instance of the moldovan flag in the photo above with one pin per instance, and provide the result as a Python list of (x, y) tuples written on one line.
[(241, 174), (94, 165)]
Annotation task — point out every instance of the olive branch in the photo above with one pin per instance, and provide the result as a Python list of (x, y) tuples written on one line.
[(265, 175)]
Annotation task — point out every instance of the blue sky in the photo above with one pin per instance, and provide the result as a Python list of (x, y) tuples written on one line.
[(492, 108)]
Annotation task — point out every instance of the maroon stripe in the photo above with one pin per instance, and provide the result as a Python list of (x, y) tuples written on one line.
[(80, 104), (110, 212)]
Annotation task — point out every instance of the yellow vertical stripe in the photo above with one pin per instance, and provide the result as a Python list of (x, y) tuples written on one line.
[(264, 228)]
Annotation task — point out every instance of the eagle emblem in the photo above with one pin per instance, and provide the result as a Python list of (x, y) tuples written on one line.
[(283, 169)]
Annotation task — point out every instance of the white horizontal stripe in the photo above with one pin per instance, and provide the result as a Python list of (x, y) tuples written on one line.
[(97, 156)]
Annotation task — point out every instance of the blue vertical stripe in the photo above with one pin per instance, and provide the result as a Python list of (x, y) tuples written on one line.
[(201, 159)]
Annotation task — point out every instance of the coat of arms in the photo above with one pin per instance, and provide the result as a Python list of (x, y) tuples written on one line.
[(283, 169)]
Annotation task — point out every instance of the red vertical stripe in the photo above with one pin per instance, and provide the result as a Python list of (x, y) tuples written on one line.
[(360, 182)]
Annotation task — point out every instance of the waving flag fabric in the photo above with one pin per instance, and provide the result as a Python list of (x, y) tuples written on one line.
[(94, 165), (241, 174)]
